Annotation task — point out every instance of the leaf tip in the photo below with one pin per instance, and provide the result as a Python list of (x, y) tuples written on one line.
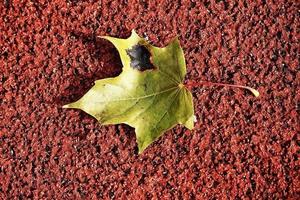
[(133, 32), (103, 37), (65, 106), (190, 122), (140, 151), (141, 147), (195, 118)]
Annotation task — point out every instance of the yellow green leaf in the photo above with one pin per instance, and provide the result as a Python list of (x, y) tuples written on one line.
[(148, 95)]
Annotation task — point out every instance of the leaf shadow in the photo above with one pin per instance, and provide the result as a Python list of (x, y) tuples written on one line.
[(107, 63)]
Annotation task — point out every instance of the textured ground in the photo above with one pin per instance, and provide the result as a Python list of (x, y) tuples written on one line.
[(241, 148)]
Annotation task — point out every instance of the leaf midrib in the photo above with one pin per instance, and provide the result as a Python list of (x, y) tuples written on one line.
[(142, 97)]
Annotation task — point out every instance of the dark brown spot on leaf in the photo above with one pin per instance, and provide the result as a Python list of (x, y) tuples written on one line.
[(140, 58)]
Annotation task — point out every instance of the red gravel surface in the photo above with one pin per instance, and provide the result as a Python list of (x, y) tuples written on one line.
[(241, 148)]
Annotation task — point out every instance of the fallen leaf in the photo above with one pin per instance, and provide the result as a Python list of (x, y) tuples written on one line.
[(148, 95)]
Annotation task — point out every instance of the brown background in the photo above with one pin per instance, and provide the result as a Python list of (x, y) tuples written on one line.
[(241, 148)]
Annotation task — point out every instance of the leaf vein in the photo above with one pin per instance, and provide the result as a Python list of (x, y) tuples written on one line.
[(167, 110), (137, 98)]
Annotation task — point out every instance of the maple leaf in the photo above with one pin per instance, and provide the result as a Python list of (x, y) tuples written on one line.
[(148, 95)]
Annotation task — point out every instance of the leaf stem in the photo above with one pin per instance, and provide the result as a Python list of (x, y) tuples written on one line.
[(192, 84)]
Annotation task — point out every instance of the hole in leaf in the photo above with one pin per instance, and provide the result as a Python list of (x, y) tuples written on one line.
[(140, 58)]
